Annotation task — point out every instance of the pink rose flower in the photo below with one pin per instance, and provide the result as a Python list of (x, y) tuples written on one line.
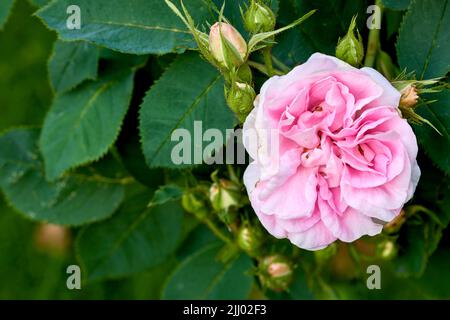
[(332, 158)]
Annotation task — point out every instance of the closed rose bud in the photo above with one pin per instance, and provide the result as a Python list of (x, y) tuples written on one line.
[(259, 18), (350, 48), (409, 97), (240, 99), (224, 195), (250, 238), (53, 239), (275, 272), (195, 203), (227, 46)]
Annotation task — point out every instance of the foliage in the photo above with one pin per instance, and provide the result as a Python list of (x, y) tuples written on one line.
[(86, 144)]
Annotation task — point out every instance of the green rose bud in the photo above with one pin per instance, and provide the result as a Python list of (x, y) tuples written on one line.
[(275, 272), (227, 46), (240, 99), (225, 195), (259, 18), (386, 249), (195, 203), (250, 238), (53, 239), (350, 48)]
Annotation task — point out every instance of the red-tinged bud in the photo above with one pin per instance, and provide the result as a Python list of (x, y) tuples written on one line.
[(276, 272), (409, 97), (53, 239), (227, 46), (259, 17)]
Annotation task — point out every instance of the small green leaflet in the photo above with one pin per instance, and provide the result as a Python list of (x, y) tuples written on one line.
[(82, 124), (72, 200), (166, 193), (72, 63), (132, 26)]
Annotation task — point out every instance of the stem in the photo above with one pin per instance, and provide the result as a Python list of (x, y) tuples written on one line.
[(373, 42), (217, 231), (262, 68), (267, 54), (281, 65)]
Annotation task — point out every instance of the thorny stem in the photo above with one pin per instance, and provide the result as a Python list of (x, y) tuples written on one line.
[(267, 54), (373, 42), (221, 235), (284, 68)]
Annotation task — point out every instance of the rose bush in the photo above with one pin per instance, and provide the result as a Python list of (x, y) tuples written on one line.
[(342, 160), (119, 126)]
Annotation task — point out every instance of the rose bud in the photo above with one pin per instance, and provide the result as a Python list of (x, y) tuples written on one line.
[(227, 46), (350, 48), (409, 97), (52, 238), (259, 18), (240, 99), (395, 225), (195, 203), (250, 238), (275, 272), (224, 195)]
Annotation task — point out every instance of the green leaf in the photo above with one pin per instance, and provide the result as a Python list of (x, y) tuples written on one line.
[(434, 144), (396, 4), (71, 64), (83, 124), (5, 8), (424, 41), (232, 12), (138, 27), (320, 33), (134, 239), (39, 3), (73, 200), (166, 193), (190, 90), (203, 276)]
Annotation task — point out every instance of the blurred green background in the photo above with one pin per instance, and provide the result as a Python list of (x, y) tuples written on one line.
[(33, 264)]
